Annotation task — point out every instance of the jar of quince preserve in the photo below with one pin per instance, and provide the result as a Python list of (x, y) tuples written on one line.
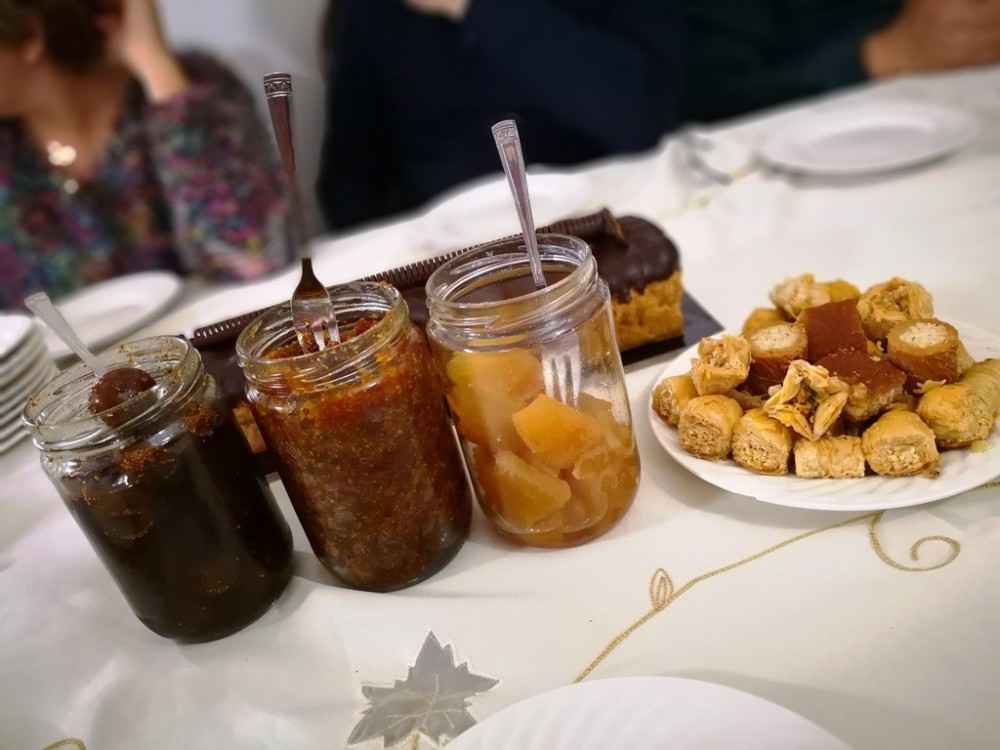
[(536, 386), (165, 488), (362, 438)]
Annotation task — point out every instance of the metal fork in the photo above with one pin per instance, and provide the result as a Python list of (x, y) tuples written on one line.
[(692, 146), (562, 370)]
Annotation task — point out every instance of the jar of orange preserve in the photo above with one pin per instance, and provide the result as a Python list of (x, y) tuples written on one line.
[(537, 390)]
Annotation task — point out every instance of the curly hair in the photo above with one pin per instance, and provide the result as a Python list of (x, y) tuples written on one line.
[(73, 40)]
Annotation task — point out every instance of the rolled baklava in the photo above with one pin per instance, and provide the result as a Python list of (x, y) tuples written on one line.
[(882, 306), (829, 458), (762, 317), (958, 414), (722, 364), (799, 293), (926, 350), (772, 350), (762, 444), (900, 444), (671, 395), (706, 426)]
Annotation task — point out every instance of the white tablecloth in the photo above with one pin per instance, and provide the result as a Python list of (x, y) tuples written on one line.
[(831, 626)]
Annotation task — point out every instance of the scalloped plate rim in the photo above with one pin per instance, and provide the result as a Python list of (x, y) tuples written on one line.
[(801, 493)]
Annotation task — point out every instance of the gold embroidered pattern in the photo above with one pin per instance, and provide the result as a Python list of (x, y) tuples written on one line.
[(662, 593), (67, 743)]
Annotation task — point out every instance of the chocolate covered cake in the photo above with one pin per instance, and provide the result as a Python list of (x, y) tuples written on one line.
[(641, 266)]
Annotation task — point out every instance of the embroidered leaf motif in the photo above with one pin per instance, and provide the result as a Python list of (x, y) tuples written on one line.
[(661, 589), (431, 700)]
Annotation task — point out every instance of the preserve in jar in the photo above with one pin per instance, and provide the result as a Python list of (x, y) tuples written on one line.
[(536, 387), (362, 439), (164, 487)]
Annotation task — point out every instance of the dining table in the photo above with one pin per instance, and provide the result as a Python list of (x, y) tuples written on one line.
[(879, 626)]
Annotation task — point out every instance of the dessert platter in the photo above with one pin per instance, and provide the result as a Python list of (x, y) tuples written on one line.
[(834, 399)]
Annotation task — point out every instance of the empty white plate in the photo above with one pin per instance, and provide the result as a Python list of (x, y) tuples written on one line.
[(868, 138), (485, 211), (645, 713), (14, 329), (106, 312), (29, 350)]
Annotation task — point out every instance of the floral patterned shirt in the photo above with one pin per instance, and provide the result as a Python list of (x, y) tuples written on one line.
[(190, 185)]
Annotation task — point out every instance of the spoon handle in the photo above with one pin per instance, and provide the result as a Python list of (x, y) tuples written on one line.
[(509, 145), (40, 304), (278, 90)]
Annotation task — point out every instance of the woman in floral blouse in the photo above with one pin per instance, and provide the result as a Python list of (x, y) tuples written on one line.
[(117, 156)]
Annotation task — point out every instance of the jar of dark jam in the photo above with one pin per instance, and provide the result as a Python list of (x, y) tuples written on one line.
[(165, 489), (536, 386), (362, 439)]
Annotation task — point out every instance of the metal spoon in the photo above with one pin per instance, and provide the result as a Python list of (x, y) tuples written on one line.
[(313, 316), (40, 304), (509, 145)]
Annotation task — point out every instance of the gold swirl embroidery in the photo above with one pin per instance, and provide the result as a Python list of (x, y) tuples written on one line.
[(662, 593), (67, 743)]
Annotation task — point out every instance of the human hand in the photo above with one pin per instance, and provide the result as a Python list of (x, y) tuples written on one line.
[(452, 9), (935, 35), (135, 38)]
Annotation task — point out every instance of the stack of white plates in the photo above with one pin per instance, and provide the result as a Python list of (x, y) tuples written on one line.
[(24, 367)]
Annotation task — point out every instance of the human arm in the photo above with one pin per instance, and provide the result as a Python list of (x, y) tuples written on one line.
[(614, 82), (745, 55), (215, 162), (932, 35)]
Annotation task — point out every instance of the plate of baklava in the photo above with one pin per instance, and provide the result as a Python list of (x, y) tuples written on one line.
[(837, 398)]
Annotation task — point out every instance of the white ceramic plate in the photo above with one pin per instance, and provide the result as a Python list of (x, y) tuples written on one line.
[(13, 395), (869, 138), (961, 470), (14, 329), (30, 349), (106, 312), (486, 212), (645, 713), (15, 437)]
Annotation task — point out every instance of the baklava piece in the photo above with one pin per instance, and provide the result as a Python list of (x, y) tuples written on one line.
[(706, 426), (900, 444), (671, 395), (772, 350), (829, 458), (833, 327), (874, 384), (882, 306), (809, 400), (925, 349), (722, 364), (763, 317), (762, 444), (797, 294)]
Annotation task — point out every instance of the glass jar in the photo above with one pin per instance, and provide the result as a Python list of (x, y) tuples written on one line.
[(536, 386), (165, 489), (362, 439)]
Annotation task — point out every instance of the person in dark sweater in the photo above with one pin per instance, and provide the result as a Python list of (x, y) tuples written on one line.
[(414, 87), (744, 55)]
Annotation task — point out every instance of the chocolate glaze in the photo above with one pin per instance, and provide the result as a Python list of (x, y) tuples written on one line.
[(630, 252)]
